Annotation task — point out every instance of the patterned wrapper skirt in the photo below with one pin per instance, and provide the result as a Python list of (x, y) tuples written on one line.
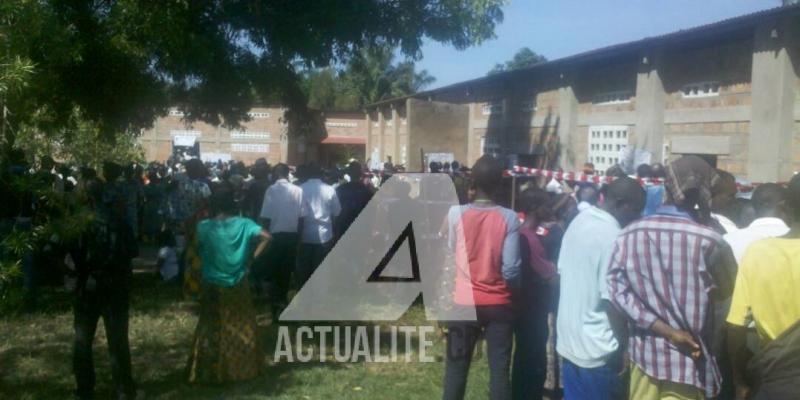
[(227, 346)]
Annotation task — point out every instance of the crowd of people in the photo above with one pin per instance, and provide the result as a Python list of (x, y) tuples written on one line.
[(673, 291), (680, 290)]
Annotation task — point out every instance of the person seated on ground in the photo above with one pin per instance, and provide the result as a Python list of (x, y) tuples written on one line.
[(226, 345)]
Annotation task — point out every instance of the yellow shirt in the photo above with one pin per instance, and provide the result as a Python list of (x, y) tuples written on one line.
[(768, 287)]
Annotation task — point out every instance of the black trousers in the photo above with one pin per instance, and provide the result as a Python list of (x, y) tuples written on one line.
[(276, 266), (108, 298), (310, 256), (530, 357), (496, 323)]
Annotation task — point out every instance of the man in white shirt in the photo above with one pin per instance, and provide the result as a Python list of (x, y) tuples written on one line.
[(281, 211), (320, 207), (590, 331), (769, 221)]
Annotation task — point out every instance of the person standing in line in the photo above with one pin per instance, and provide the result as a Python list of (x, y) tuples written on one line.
[(257, 188), (766, 294), (103, 265), (538, 276), (281, 211), (591, 332), (485, 240), (767, 201), (353, 196), (320, 207), (666, 271), (227, 344)]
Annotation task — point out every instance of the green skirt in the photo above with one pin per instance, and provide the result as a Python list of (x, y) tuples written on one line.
[(227, 346)]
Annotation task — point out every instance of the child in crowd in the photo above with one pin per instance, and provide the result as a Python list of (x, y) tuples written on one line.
[(167, 258)]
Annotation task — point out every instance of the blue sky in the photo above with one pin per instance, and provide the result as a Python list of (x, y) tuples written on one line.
[(558, 28)]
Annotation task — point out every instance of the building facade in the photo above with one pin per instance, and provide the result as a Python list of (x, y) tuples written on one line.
[(728, 92), (332, 137)]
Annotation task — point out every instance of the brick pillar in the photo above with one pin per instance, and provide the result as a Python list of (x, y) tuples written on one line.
[(769, 156), (650, 102)]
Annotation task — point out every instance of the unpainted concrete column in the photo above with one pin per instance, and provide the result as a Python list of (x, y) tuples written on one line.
[(396, 135), (381, 133), (471, 153), (567, 126), (773, 95), (368, 149), (650, 103)]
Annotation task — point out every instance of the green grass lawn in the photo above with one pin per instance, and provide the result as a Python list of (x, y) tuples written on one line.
[(35, 358)]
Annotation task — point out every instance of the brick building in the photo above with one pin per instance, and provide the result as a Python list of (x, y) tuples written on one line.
[(727, 91), (334, 138)]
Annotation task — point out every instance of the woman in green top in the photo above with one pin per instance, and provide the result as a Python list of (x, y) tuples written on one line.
[(226, 344)]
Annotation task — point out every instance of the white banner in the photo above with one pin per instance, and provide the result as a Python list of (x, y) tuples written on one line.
[(184, 140)]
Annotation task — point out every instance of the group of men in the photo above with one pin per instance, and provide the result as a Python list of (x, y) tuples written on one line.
[(642, 300), (304, 221)]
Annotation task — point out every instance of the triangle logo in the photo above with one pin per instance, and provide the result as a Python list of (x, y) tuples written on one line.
[(404, 243)]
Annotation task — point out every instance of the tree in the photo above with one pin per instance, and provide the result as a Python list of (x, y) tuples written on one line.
[(368, 77), (372, 76), (524, 57), (124, 62)]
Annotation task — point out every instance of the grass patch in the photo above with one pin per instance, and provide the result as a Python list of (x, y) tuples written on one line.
[(35, 358)]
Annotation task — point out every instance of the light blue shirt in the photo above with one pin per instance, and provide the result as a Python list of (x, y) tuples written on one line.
[(584, 332)]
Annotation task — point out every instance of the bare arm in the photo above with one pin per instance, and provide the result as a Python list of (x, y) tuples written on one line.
[(683, 340), (264, 239)]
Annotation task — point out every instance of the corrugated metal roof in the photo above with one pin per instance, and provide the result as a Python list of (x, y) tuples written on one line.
[(726, 25)]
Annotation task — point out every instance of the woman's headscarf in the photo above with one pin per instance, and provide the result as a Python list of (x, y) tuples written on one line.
[(690, 178)]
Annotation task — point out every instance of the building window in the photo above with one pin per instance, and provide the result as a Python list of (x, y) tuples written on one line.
[(258, 114), (490, 145), (250, 148), (700, 89), (610, 98), (493, 107), (174, 112), (606, 143), (250, 135), (528, 105)]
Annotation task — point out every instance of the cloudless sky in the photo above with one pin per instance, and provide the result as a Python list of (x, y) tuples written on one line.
[(559, 28)]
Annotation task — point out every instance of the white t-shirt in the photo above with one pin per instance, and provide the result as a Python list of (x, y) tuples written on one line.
[(585, 336), (320, 206), (169, 268), (761, 228), (282, 206)]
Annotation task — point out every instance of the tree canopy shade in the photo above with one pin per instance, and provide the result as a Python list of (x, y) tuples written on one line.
[(524, 57), (124, 62)]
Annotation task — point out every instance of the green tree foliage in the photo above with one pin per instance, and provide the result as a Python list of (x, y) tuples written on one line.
[(524, 57), (370, 76), (123, 62)]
